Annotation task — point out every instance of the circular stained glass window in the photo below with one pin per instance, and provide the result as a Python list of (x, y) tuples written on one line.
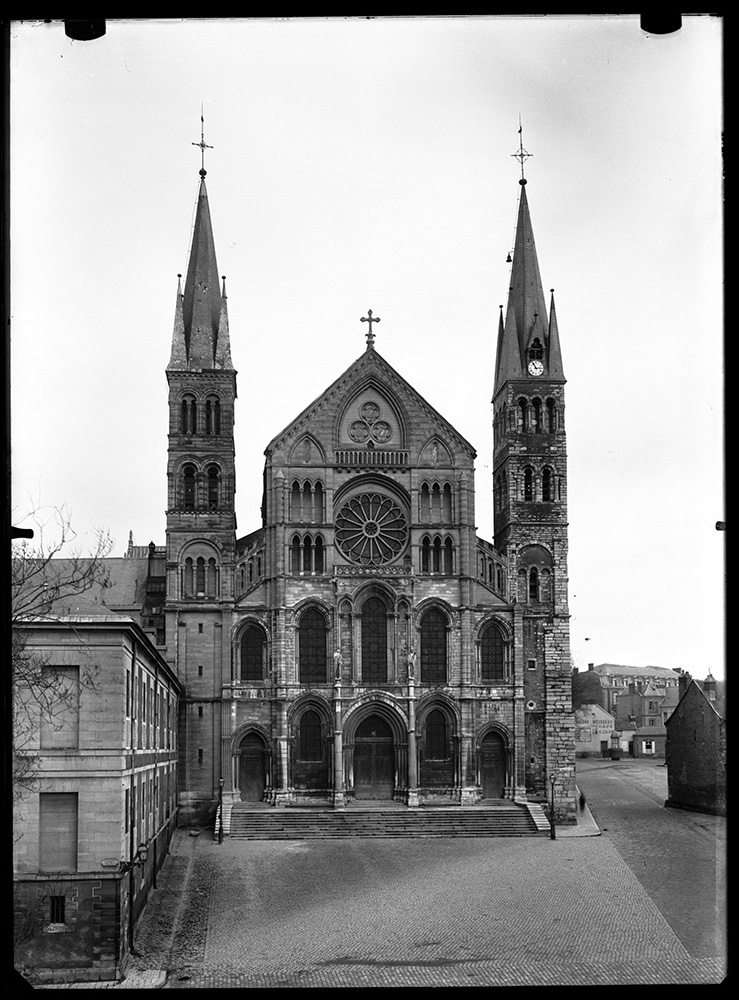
[(371, 529)]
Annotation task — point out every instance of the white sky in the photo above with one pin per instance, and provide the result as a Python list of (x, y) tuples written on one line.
[(367, 164)]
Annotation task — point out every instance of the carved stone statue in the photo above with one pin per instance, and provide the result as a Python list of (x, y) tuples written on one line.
[(338, 663)]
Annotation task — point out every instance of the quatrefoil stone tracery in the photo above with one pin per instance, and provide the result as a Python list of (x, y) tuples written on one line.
[(371, 529)]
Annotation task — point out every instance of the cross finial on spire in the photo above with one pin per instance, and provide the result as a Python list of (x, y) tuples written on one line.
[(521, 155), (369, 318), (202, 144)]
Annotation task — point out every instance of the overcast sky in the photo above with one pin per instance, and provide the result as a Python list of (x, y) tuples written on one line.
[(367, 164)]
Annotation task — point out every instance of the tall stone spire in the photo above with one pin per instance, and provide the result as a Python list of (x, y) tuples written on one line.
[(526, 315), (204, 325)]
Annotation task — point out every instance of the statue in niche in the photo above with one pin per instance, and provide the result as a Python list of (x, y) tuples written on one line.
[(338, 664), (411, 663)]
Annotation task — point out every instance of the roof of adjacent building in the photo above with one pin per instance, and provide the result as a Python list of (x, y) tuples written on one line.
[(623, 670)]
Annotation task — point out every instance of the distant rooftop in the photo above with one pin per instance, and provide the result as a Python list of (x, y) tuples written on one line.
[(623, 670)]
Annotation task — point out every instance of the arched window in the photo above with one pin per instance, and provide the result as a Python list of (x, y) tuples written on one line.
[(536, 416), (188, 487), (308, 554), (528, 483), (295, 506), (551, 416), (547, 485), (446, 511), (533, 584), (310, 744), (252, 654), (425, 554), (200, 577), (211, 582), (433, 648), (545, 589), (492, 656), (295, 556), (318, 555), (214, 483), (499, 580), (436, 736), (436, 503), (523, 415), (536, 351), (448, 557), (318, 503), (374, 642), (425, 511), (312, 647), (188, 415), (212, 415), (188, 583), (437, 555), (307, 508)]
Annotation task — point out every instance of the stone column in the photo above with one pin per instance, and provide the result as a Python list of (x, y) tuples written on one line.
[(412, 743), (339, 796)]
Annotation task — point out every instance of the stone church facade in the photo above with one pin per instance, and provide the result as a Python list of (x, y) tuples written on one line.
[(363, 643)]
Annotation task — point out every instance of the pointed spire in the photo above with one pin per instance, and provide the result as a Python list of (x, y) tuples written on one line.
[(553, 350), (178, 359), (201, 303), (526, 315), (223, 344)]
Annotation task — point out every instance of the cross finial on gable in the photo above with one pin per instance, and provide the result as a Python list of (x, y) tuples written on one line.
[(369, 318)]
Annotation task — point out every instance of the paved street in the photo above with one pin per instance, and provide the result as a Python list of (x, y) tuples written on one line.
[(633, 906), (678, 856)]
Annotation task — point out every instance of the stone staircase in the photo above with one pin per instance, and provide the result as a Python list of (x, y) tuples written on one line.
[(508, 820)]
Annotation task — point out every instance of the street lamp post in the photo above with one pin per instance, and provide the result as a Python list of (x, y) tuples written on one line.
[(220, 810), (552, 831)]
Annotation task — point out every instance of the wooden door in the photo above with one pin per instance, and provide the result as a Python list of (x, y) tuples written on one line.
[(492, 766), (374, 760), (251, 777)]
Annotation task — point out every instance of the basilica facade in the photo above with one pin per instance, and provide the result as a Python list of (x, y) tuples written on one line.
[(363, 644)]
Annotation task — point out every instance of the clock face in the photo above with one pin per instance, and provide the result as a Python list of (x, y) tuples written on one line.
[(535, 367)]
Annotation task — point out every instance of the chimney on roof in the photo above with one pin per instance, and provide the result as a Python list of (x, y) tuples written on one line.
[(709, 687), (591, 666), (683, 682)]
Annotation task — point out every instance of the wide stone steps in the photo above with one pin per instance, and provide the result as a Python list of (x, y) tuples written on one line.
[(311, 823)]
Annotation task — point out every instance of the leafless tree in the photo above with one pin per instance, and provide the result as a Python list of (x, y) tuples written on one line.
[(48, 577)]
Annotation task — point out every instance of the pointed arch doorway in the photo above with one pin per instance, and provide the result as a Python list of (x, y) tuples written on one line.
[(374, 760), (252, 768), (493, 766)]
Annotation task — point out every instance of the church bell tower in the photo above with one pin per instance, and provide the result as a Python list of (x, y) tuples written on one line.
[(201, 520), (530, 508)]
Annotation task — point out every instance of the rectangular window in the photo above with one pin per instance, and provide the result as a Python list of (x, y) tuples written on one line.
[(128, 693), (531, 664), (60, 714), (56, 909), (126, 807), (58, 831), (200, 756)]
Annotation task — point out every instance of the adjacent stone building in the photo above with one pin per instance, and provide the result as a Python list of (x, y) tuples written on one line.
[(696, 748), (363, 643), (97, 804)]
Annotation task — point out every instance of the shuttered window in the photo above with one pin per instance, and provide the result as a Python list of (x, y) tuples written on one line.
[(58, 831)]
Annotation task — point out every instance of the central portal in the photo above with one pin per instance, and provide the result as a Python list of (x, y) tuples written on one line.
[(374, 760)]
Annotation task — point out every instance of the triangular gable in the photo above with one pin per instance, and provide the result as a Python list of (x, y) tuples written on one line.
[(369, 369)]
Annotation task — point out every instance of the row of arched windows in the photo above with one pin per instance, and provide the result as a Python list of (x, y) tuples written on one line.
[(250, 571), (310, 743), (200, 490), (492, 573), (200, 577), (437, 556), (436, 503), (542, 486), (306, 502), (528, 416), (200, 416), (307, 555), (534, 585), (312, 645)]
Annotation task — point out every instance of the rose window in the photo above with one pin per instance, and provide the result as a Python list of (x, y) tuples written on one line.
[(371, 529)]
